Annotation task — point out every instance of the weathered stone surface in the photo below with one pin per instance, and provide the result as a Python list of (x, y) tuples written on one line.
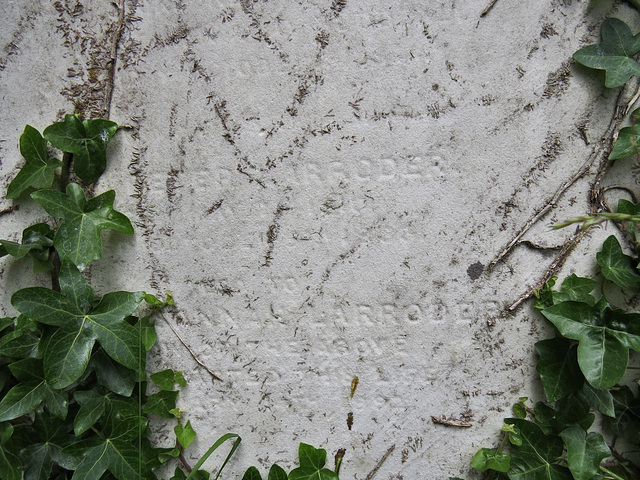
[(322, 185)]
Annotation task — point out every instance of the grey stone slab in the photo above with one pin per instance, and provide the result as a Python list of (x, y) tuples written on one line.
[(321, 184)]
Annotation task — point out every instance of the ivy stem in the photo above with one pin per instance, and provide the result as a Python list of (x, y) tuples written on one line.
[(65, 175), (609, 472), (621, 458), (184, 462), (500, 448)]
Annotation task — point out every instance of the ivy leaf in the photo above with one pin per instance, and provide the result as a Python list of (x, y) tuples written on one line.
[(122, 459), (52, 438), (627, 143), (573, 288), (10, 466), (601, 400), (558, 368), (166, 379), (68, 351), (114, 376), (91, 409), (147, 333), (613, 54), (39, 170), (312, 461), (19, 343), (616, 266), (605, 337), (252, 473), (627, 412), (30, 369), (86, 140), (34, 239), (161, 403), (535, 458), (574, 408), (185, 435), (585, 452), (21, 399), (576, 289), (180, 475), (491, 459), (36, 242), (78, 237), (632, 229), (276, 472)]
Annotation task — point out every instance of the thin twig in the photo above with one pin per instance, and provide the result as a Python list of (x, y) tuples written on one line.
[(382, 460), (626, 100), (628, 96), (631, 193), (111, 70), (551, 270), (193, 355), (488, 8)]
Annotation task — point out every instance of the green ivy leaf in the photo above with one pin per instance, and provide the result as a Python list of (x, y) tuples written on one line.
[(34, 238), (627, 143), (19, 343), (491, 459), (185, 435), (147, 333), (605, 337), (519, 410), (252, 473), (536, 458), (114, 376), (178, 474), (30, 369), (164, 379), (276, 472), (601, 400), (86, 140), (78, 237), (22, 399), (36, 242), (92, 407), (574, 408), (68, 351), (48, 450), (573, 288), (613, 54), (585, 452), (39, 170), (10, 466), (558, 368), (618, 267), (577, 289), (153, 301), (312, 461), (121, 458), (627, 412), (632, 229), (161, 403)]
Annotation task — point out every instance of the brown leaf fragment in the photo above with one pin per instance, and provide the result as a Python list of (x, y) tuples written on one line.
[(450, 422)]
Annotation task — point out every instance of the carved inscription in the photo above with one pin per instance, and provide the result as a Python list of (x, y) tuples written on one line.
[(427, 167)]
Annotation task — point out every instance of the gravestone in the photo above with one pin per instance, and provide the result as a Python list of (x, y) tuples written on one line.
[(333, 191)]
